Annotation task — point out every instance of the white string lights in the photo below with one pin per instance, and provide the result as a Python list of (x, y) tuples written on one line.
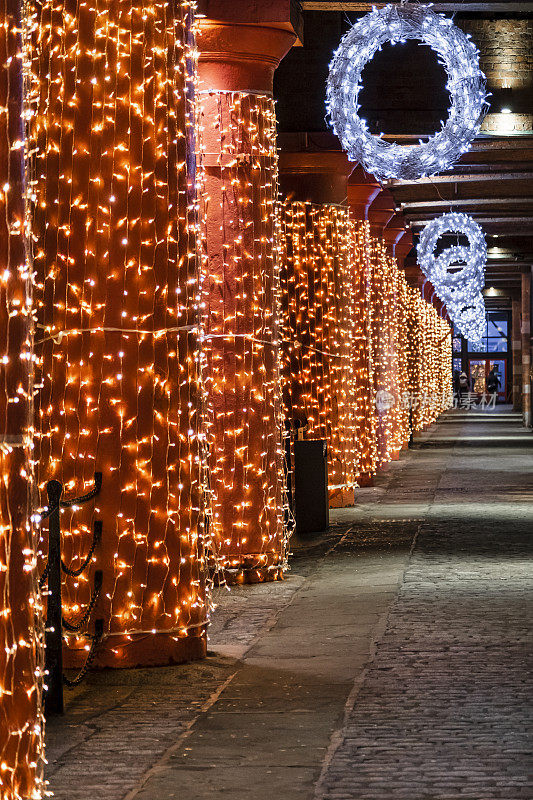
[(466, 86), (457, 273)]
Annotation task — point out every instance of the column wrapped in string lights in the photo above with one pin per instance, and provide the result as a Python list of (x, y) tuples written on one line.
[(241, 284), (363, 361), (391, 420), (429, 361), (360, 347), (118, 310), (21, 629), (321, 334), (241, 347)]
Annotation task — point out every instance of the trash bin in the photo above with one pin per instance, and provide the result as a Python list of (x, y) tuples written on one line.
[(311, 502)]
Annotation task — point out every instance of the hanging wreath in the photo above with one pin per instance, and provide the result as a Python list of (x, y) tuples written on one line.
[(466, 86), (469, 319), (443, 270), (458, 272)]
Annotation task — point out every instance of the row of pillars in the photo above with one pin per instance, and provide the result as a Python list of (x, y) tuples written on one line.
[(327, 176)]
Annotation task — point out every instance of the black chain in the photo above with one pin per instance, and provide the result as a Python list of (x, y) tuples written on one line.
[(75, 627), (85, 497), (97, 535), (44, 576), (96, 638)]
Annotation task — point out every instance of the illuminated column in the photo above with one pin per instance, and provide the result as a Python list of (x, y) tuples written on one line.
[(380, 213), (118, 293), (241, 286), (516, 344), (314, 177), (21, 632), (362, 190), (319, 328), (392, 232), (526, 346)]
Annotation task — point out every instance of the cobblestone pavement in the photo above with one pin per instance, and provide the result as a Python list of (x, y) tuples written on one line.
[(118, 724), (443, 712), (390, 664)]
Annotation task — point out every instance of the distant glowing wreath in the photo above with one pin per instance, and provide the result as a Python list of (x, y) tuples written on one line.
[(458, 273), (442, 270), (466, 85)]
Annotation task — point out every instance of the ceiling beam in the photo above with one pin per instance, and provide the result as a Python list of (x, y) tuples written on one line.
[(423, 218), (454, 178), (352, 6), (472, 201)]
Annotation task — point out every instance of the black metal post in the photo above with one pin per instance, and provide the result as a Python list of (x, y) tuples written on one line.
[(53, 701)]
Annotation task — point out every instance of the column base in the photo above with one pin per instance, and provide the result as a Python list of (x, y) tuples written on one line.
[(341, 498), (365, 480), (253, 568), (140, 650), (244, 575)]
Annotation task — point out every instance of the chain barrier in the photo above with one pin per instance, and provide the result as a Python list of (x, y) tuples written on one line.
[(95, 638), (55, 622)]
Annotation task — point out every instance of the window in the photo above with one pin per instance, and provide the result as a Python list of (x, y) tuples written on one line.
[(495, 339)]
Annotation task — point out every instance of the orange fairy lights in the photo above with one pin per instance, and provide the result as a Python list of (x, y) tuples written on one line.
[(321, 331), (365, 357), (392, 431), (241, 348), (21, 630), (118, 312), (429, 361)]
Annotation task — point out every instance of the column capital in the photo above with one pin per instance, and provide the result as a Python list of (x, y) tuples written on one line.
[(380, 212), (241, 44), (316, 177), (404, 245), (362, 190), (393, 232)]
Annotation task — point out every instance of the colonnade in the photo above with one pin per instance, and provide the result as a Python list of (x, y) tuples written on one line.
[(148, 249)]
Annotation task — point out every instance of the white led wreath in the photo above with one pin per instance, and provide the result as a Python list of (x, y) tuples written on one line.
[(458, 273), (466, 85), (470, 319), (437, 268)]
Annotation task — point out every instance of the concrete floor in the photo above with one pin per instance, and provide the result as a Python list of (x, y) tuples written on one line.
[(390, 664)]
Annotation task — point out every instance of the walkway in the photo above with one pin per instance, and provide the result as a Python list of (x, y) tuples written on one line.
[(391, 664)]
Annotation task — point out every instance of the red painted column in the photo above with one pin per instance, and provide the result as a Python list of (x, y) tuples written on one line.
[(117, 289), (21, 630), (362, 190), (392, 233), (240, 46), (381, 313), (526, 345), (403, 247), (380, 212), (516, 344)]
